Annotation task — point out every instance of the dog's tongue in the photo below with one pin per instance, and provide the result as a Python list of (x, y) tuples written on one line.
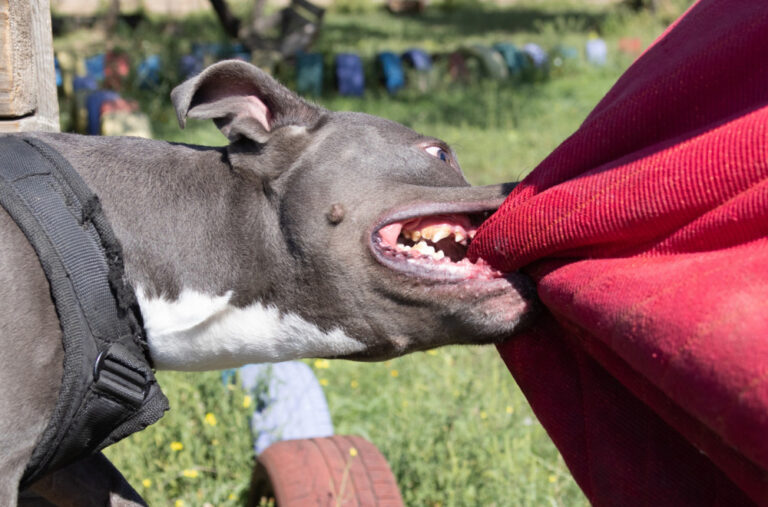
[(389, 233)]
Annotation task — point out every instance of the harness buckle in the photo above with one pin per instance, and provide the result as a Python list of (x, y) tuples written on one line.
[(116, 376)]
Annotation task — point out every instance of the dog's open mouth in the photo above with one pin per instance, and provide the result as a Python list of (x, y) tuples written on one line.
[(432, 245)]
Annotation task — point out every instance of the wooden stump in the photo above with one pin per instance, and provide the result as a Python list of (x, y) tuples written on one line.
[(27, 77)]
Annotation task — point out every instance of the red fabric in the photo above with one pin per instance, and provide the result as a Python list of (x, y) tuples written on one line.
[(647, 234)]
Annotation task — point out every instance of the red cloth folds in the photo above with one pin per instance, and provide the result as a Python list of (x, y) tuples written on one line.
[(647, 234)]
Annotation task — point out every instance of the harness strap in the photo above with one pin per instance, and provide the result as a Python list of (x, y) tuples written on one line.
[(108, 389)]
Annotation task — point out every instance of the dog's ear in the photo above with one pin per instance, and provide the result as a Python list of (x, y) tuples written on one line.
[(242, 100)]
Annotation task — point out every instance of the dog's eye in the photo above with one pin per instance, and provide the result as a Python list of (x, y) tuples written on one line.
[(438, 152)]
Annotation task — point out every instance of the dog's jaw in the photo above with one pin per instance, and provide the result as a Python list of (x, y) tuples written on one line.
[(198, 331)]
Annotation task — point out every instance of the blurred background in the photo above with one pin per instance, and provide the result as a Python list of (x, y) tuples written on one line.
[(504, 82)]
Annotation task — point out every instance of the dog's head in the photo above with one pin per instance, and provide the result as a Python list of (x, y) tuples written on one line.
[(371, 219)]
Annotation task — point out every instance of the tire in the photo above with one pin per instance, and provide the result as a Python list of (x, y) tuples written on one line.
[(340, 470), (292, 407)]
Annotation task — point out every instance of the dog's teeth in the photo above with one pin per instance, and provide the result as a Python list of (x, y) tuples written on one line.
[(459, 237), (438, 255), (472, 234), (423, 248), (441, 233), (415, 235)]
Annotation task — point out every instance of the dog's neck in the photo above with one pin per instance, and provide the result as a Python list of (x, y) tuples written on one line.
[(201, 332), (203, 252)]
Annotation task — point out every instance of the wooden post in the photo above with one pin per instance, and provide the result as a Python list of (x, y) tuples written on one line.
[(27, 77)]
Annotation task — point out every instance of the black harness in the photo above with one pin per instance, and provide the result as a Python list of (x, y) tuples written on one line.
[(108, 389)]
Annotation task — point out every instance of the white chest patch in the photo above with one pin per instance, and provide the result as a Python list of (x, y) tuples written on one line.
[(202, 332)]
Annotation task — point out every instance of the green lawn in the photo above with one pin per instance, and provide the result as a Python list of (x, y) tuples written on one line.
[(452, 423)]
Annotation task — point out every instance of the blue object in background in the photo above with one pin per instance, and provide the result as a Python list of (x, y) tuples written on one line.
[(191, 65), (207, 49), (289, 401), (309, 73), (537, 55), (93, 106), (418, 59), (350, 78), (84, 83), (57, 70), (597, 51), (567, 52), (239, 52), (94, 67), (213, 51), (228, 376), (392, 71), (148, 71)]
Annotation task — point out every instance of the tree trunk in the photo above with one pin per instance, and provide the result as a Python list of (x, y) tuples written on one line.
[(228, 21)]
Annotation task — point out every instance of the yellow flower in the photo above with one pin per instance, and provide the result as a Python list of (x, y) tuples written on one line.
[(323, 382), (210, 419), (247, 400), (552, 478), (177, 446), (178, 503), (322, 364), (146, 483), (510, 409), (394, 373), (215, 441), (232, 496), (352, 452), (483, 415), (190, 473), (432, 352), (354, 384)]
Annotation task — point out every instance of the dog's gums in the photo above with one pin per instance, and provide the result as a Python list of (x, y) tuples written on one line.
[(432, 246)]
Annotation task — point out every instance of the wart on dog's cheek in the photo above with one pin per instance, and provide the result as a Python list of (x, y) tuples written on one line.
[(336, 214)]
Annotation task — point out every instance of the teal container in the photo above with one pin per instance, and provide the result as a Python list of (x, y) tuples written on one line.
[(516, 61), (309, 74)]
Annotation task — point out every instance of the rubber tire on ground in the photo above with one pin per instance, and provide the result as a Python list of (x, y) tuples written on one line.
[(338, 470)]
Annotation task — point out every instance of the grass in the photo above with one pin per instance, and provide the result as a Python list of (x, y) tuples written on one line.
[(452, 423), (454, 427)]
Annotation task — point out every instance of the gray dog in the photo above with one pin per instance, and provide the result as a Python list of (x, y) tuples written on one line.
[(312, 234)]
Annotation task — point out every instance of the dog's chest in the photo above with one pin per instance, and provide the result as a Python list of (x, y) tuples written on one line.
[(200, 331)]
